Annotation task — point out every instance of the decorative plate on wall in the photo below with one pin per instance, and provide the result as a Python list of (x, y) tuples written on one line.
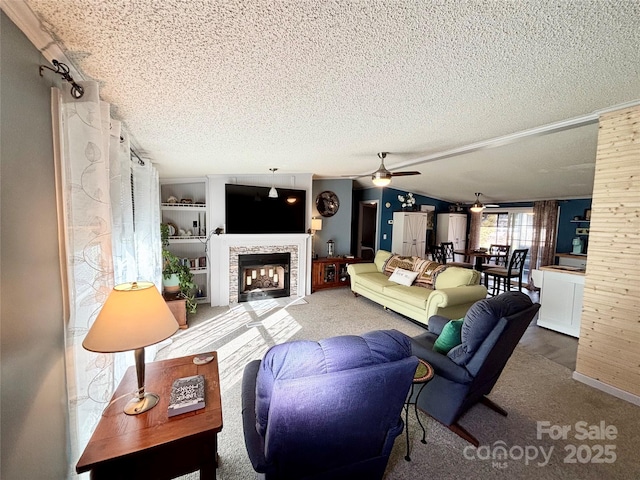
[(327, 203)]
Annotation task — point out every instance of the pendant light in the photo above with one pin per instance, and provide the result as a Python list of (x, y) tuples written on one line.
[(273, 193), (477, 206)]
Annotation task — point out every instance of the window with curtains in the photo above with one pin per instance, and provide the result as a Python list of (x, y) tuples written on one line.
[(104, 244), (512, 227)]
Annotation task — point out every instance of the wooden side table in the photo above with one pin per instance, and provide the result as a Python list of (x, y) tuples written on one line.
[(178, 307), (152, 445)]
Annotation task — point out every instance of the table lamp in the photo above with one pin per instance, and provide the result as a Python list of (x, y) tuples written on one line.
[(316, 225), (134, 316)]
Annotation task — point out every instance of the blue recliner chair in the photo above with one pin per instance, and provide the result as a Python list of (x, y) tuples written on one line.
[(490, 332), (329, 409)]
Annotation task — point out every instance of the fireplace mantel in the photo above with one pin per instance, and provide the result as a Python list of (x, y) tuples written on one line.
[(224, 271)]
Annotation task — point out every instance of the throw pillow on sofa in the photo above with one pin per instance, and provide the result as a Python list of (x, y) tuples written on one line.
[(403, 277), (449, 337)]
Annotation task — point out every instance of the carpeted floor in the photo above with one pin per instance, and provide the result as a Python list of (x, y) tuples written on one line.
[(532, 389)]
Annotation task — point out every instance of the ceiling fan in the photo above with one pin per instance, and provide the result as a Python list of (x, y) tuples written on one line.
[(478, 206), (382, 176)]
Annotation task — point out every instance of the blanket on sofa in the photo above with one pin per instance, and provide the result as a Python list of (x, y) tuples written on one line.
[(427, 270)]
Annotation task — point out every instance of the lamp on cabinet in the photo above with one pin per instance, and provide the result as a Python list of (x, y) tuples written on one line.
[(316, 225)]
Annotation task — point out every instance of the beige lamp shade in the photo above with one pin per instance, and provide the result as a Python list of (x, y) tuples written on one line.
[(316, 224), (134, 316)]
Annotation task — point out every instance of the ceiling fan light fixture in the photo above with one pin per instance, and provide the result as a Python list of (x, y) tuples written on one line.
[(477, 205), (381, 178), (273, 193)]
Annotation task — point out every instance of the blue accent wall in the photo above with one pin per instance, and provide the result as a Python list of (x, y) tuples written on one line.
[(338, 227), (386, 213), (566, 229)]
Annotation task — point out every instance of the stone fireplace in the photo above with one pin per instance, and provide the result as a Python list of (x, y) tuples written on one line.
[(228, 278), (263, 275)]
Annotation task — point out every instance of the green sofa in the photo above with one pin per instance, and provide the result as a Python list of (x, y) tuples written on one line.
[(456, 289)]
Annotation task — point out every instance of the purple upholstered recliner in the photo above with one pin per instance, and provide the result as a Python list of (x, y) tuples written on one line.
[(329, 409)]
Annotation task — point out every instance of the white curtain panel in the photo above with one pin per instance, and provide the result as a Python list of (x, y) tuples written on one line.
[(103, 244), (87, 233)]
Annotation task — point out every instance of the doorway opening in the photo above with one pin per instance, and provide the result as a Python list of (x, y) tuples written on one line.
[(367, 229)]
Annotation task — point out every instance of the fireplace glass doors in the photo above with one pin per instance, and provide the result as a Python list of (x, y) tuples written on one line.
[(263, 275)]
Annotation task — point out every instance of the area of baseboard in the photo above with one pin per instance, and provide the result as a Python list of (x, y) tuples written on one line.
[(616, 392)]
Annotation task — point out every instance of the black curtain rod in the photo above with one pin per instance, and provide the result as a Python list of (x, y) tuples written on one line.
[(63, 70)]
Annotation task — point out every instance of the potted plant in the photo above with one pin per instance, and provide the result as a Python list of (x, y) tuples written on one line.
[(176, 277)]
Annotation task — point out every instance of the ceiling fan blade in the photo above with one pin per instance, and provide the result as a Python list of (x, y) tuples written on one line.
[(405, 174)]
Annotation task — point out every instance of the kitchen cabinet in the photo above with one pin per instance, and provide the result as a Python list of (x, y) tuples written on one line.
[(452, 227), (409, 234), (183, 206), (561, 295)]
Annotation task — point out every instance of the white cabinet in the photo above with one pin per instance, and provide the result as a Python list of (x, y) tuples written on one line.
[(561, 295), (183, 205), (409, 236), (452, 227)]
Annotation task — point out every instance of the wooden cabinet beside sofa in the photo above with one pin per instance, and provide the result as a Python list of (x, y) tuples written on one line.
[(330, 272)]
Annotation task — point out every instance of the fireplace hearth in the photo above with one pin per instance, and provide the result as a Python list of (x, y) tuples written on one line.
[(263, 275)]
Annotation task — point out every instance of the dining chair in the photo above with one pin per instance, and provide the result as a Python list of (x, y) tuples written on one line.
[(447, 251), (503, 275), (501, 258), (437, 254), (449, 256)]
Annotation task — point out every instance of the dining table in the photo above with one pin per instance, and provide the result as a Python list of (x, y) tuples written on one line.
[(480, 256)]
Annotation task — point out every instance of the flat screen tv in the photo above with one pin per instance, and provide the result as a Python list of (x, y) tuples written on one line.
[(248, 209)]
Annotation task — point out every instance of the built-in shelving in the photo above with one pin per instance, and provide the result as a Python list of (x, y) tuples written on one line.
[(183, 205)]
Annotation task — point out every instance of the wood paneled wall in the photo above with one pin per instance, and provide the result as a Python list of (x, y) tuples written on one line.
[(609, 346)]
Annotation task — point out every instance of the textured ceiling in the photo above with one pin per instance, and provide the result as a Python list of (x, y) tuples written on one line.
[(209, 87)]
